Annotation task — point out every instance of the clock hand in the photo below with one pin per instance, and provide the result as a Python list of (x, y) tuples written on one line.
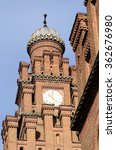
[(51, 97)]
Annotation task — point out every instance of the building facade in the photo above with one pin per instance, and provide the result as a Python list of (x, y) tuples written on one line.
[(85, 43), (46, 98)]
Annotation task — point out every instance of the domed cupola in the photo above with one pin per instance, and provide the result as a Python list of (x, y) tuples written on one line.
[(43, 34)]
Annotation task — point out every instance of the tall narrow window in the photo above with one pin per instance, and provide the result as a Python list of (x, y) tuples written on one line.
[(57, 139)]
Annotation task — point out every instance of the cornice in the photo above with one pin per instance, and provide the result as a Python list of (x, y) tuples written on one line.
[(87, 98), (65, 111), (30, 123), (10, 122), (40, 143), (21, 142), (80, 23), (47, 110), (51, 78), (81, 27)]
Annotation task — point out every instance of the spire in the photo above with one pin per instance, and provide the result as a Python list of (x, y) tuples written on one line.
[(45, 22)]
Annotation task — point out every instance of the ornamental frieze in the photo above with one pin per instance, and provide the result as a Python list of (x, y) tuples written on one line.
[(52, 78)]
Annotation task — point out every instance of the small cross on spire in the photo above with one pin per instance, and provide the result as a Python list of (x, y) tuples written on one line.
[(45, 22)]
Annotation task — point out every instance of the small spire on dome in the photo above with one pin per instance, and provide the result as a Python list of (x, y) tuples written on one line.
[(45, 22)]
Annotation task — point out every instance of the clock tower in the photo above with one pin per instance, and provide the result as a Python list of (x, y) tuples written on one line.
[(46, 98)]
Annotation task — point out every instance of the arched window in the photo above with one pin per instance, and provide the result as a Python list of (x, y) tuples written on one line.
[(21, 148)]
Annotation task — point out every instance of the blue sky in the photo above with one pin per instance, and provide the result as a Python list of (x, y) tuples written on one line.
[(18, 20)]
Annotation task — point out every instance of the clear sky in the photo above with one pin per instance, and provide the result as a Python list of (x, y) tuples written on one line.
[(18, 20)]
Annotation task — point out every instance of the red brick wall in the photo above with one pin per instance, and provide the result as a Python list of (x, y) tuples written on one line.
[(89, 133)]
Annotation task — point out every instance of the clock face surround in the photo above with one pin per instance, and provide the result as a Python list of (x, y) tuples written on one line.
[(52, 97)]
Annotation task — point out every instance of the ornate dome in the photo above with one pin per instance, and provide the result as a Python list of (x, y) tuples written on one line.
[(45, 33)]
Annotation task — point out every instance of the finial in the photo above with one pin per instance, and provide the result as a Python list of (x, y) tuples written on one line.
[(45, 22)]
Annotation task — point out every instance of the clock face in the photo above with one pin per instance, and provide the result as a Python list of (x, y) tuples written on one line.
[(52, 97)]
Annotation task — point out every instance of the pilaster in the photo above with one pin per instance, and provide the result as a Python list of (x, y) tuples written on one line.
[(36, 66), (46, 55), (30, 124), (47, 113), (27, 90), (56, 62), (65, 114)]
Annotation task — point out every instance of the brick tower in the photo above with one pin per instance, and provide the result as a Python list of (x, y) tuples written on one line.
[(46, 98)]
